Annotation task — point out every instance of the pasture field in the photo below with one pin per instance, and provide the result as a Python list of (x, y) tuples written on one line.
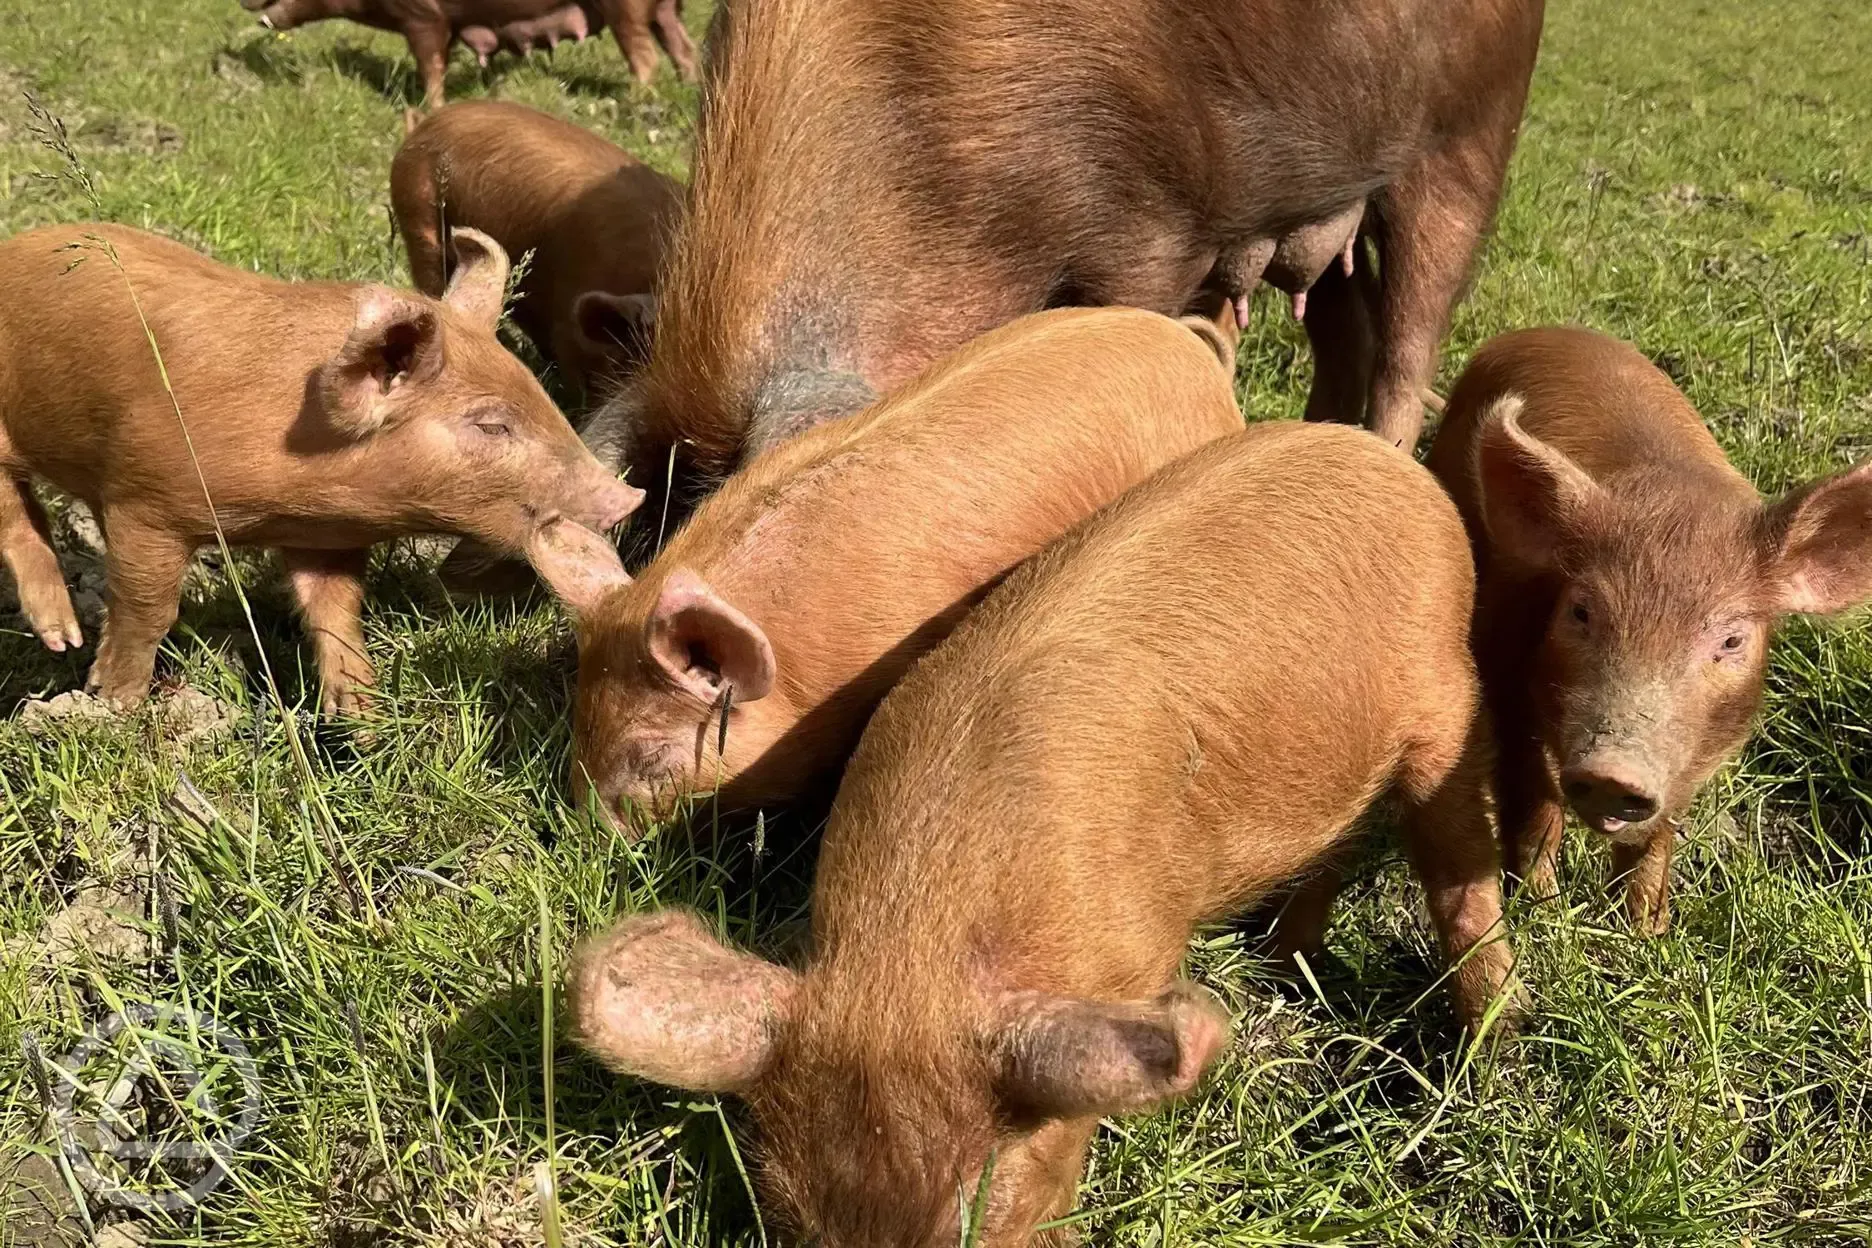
[(381, 922)]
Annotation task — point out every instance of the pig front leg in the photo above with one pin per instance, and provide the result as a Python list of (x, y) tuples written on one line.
[(1646, 872), (143, 568), (630, 24), (26, 549), (1455, 854), (1430, 226), (329, 585), (1533, 821)]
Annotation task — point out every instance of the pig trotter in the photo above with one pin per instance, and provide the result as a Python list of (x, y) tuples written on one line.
[(26, 550), (1299, 306)]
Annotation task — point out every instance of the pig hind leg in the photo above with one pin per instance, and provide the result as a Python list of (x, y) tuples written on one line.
[(1453, 850), (329, 585), (429, 44), (1430, 225), (26, 549), (1341, 324), (630, 24), (143, 569)]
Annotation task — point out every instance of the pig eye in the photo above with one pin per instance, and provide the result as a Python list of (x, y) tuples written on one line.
[(494, 428), (1580, 614), (1733, 642)]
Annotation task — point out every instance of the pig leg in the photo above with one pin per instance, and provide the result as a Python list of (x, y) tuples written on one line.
[(1342, 326), (26, 549), (143, 568), (329, 585), (1454, 852), (1532, 820), (1300, 928), (674, 37), (1431, 224), (630, 24), (1646, 872), (429, 44)]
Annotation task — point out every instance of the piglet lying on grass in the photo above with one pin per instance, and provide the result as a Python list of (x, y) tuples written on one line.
[(1629, 582), (1185, 702), (800, 592), (316, 417)]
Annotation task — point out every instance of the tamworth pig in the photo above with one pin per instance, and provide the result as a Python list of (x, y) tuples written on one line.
[(1630, 580), (878, 181), (318, 417), (799, 594), (433, 26), (594, 218), (1185, 702)]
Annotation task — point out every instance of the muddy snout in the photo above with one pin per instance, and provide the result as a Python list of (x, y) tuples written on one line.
[(1614, 792)]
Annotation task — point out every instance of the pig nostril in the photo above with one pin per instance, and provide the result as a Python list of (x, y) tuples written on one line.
[(1578, 790), (1607, 797)]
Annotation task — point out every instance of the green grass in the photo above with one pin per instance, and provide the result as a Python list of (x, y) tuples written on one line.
[(1695, 176)]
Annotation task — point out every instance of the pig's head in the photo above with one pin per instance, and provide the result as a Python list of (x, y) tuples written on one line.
[(1665, 598), (448, 430), (662, 661), (878, 1110)]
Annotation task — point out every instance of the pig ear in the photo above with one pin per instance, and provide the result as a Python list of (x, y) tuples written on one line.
[(1213, 321), (394, 341), (477, 285), (1823, 539), (577, 564), (615, 325), (660, 998), (702, 643), (1062, 1057), (1533, 496)]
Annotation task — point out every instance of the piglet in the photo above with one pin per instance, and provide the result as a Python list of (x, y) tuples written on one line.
[(316, 417), (799, 593), (1186, 701), (594, 217), (1630, 582)]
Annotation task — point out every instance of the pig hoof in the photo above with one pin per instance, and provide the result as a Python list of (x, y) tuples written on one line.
[(266, 21), (1299, 306)]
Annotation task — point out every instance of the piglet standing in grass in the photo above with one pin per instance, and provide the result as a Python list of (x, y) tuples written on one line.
[(1186, 701), (319, 418), (594, 218), (1630, 582), (799, 593)]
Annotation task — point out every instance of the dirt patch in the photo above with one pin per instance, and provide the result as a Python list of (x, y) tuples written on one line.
[(184, 717), (36, 1206), (122, 134)]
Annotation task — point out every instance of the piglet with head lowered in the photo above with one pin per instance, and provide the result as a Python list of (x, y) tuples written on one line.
[(1630, 581), (799, 593), (1183, 703), (316, 417)]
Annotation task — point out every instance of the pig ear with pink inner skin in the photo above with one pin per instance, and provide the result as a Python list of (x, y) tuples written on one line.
[(701, 642), (394, 342), (620, 325), (478, 271), (660, 998), (1063, 1057), (577, 564), (1533, 496), (1823, 558)]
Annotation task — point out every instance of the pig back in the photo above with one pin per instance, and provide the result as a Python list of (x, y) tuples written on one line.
[(1178, 706), (902, 515)]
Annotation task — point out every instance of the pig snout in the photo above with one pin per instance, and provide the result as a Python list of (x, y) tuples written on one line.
[(1614, 792), (609, 503)]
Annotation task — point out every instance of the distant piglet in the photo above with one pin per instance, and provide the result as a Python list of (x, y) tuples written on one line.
[(594, 217), (1185, 702), (1630, 580), (316, 417), (800, 592)]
